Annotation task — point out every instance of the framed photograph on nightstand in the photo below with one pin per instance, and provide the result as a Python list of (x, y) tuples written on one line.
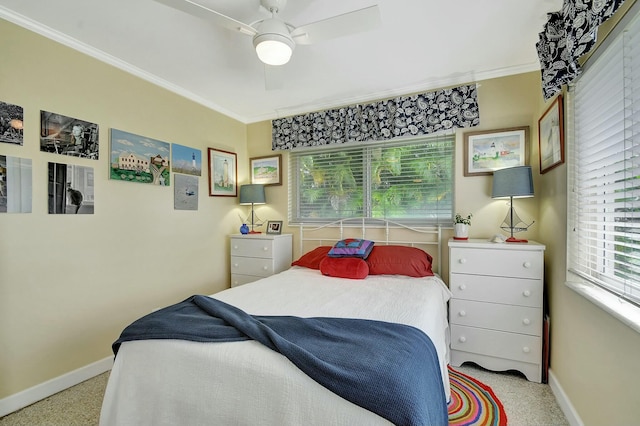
[(274, 227)]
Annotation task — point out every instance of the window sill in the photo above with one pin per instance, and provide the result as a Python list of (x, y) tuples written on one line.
[(624, 311)]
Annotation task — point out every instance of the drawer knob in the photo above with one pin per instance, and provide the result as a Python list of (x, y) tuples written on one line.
[(462, 287), (526, 293), (462, 339), (265, 248), (527, 264), (235, 265), (462, 313), (264, 268), (526, 349), (526, 321), (235, 247), (463, 260)]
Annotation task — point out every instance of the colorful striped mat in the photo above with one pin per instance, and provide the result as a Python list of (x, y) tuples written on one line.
[(473, 402)]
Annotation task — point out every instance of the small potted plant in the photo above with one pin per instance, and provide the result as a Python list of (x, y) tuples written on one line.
[(461, 226)]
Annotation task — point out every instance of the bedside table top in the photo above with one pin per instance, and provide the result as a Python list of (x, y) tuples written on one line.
[(262, 236), (486, 243)]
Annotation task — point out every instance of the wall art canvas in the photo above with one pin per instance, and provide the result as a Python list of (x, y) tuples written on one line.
[(186, 160), (140, 159), (185, 192), (16, 185), (11, 123), (223, 173), (490, 150), (64, 135), (71, 189)]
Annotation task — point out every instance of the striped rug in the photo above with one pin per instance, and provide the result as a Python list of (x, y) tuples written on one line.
[(473, 402)]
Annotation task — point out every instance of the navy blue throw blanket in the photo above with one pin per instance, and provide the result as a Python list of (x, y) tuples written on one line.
[(389, 369)]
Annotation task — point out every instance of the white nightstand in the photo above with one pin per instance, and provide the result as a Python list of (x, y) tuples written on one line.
[(255, 256), (495, 313)]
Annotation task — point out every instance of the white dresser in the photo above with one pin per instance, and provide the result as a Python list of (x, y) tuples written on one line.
[(255, 256), (495, 313)]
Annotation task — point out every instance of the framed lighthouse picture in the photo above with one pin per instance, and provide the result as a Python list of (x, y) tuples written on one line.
[(223, 173), (487, 151)]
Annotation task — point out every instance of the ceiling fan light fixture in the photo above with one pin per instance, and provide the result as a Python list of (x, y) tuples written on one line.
[(273, 43)]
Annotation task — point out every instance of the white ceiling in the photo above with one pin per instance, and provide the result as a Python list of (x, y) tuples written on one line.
[(421, 45)]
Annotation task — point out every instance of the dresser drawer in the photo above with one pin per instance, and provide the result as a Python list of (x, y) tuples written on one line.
[(251, 247), (251, 266), (502, 262), (238, 279), (499, 344), (515, 319), (512, 291)]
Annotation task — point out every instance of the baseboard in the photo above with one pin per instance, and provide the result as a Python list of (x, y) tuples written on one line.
[(563, 401), (43, 390)]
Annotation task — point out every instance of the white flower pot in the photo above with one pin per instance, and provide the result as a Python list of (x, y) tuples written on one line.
[(460, 231)]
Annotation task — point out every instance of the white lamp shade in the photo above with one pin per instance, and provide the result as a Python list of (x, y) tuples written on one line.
[(516, 182), (273, 43)]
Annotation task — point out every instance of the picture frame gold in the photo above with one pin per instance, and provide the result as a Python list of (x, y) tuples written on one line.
[(490, 150)]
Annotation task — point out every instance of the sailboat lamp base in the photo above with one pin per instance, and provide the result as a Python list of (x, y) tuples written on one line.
[(515, 240)]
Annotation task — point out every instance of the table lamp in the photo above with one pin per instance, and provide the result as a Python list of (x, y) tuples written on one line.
[(513, 182), (252, 194)]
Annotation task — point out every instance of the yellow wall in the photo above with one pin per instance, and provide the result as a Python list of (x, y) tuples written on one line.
[(69, 284)]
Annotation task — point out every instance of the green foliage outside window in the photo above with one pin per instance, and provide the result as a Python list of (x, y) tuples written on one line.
[(411, 181)]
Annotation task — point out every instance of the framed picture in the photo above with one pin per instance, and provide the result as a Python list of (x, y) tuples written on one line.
[(274, 227), (491, 150), (223, 173), (266, 170), (551, 136)]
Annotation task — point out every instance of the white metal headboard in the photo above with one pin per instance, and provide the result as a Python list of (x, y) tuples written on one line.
[(381, 231)]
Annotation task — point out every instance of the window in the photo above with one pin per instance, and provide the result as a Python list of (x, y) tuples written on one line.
[(408, 181), (604, 170)]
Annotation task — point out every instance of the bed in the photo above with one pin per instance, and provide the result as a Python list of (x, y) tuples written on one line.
[(172, 381)]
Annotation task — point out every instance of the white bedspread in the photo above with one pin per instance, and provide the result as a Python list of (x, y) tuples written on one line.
[(169, 382)]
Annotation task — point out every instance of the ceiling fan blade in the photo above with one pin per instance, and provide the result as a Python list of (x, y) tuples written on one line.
[(273, 78), (210, 15), (337, 26)]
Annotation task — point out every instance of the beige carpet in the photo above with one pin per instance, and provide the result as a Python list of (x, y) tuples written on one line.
[(525, 403), (76, 406)]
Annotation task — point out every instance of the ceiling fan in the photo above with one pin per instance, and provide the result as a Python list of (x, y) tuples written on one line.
[(274, 39)]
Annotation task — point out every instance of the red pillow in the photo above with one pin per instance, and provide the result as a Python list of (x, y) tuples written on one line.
[(399, 260), (313, 258), (344, 267)]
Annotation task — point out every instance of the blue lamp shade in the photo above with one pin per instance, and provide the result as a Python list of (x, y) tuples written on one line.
[(516, 182), (252, 194)]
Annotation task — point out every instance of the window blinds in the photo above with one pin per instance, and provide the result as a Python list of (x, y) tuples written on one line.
[(604, 198), (408, 181)]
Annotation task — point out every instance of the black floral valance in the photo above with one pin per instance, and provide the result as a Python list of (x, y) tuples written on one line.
[(426, 113), (568, 34)]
